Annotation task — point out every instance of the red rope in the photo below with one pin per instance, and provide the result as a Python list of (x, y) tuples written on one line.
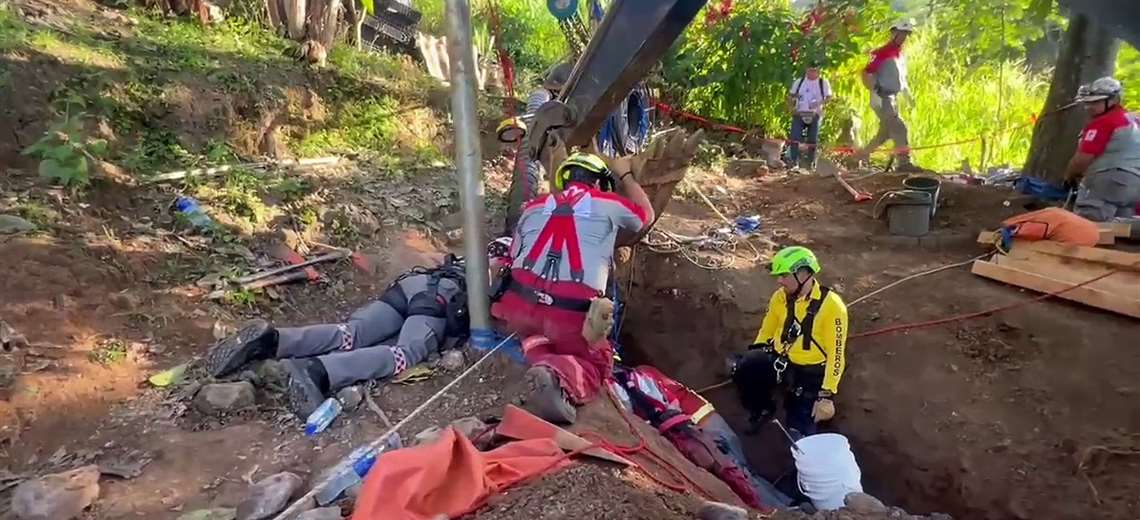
[(971, 315)]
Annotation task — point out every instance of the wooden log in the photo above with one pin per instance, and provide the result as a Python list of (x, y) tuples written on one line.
[(1110, 257), (1118, 229), (1095, 297)]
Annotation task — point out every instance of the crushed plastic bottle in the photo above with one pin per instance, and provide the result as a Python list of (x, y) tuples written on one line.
[(323, 416), (353, 470), (189, 208), (747, 225)]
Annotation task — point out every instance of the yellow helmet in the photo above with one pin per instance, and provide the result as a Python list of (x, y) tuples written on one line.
[(586, 161), (511, 130)]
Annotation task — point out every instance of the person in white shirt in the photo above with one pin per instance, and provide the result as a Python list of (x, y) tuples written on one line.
[(806, 99)]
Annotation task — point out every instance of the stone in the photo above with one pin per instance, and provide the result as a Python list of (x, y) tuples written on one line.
[(863, 503), (59, 496), (125, 301), (13, 224), (220, 513), (269, 496), (427, 435), (350, 397), (271, 373), (110, 172), (223, 398), (470, 427), (321, 513), (453, 360), (719, 511)]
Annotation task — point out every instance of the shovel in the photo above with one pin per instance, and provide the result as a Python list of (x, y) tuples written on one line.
[(828, 168)]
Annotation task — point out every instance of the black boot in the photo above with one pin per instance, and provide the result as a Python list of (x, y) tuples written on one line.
[(256, 340), (307, 387)]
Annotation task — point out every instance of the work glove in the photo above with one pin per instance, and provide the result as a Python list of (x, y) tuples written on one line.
[(599, 320), (823, 410)]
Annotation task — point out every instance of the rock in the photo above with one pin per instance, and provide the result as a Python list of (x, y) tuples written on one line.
[(321, 513), (350, 397), (470, 427), (269, 496), (453, 360), (719, 511), (271, 373), (60, 496), (223, 398), (14, 224), (427, 435), (125, 301), (221, 513), (863, 503)]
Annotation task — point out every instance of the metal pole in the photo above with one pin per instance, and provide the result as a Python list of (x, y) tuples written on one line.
[(469, 162)]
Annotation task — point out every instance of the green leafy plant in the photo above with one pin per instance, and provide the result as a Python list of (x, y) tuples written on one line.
[(65, 153), (241, 298)]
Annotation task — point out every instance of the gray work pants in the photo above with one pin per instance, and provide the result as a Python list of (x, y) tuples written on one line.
[(376, 341), (891, 126), (1109, 194)]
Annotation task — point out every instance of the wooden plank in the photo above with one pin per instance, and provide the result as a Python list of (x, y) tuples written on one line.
[(1118, 229), (1125, 284), (1111, 257), (987, 238), (1031, 280)]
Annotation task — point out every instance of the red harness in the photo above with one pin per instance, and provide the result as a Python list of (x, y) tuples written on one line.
[(561, 234)]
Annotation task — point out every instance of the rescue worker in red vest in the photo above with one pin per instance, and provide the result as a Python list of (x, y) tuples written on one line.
[(563, 248), (1108, 156), (801, 347)]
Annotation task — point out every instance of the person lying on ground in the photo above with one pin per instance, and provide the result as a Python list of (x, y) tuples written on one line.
[(801, 347), (805, 101), (885, 77), (562, 251), (659, 399), (422, 311), (1108, 156)]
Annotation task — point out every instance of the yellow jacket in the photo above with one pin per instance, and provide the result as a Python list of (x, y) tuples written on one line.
[(829, 334)]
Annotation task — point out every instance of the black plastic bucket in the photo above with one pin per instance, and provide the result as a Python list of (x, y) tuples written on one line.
[(930, 185)]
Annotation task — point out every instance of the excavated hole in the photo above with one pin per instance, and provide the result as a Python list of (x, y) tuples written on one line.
[(686, 321)]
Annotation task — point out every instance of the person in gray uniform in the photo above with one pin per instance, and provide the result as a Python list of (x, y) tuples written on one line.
[(424, 310)]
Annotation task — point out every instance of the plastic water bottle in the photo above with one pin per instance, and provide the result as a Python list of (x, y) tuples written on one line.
[(322, 417), (192, 211), (747, 225), (362, 459)]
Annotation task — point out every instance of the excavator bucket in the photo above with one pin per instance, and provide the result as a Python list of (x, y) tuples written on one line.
[(632, 37)]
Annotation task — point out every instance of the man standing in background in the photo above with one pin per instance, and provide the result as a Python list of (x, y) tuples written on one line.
[(885, 77), (806, 100)]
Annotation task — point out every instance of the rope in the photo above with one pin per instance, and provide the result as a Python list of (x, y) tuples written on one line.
[(665, 242), (913, 276), (297, 505)]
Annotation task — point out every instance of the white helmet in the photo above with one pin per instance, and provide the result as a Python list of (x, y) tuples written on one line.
[(904, 25), (1102, 89)]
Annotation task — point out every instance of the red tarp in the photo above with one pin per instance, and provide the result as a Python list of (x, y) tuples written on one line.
[(449, 477)]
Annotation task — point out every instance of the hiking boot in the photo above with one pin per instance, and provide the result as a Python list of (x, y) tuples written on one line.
[(256, 340), (546, 399), (308, 382)]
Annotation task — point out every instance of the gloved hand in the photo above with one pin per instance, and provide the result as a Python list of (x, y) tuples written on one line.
[(599, 320), (823, 410)]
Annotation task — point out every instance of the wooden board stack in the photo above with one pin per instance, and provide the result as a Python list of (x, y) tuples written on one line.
[(1047, 267)]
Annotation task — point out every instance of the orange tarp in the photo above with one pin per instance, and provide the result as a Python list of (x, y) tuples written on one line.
[(1055, 224), (449, 477)]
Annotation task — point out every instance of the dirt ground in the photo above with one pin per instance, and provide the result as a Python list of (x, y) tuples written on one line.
[(987, 418)]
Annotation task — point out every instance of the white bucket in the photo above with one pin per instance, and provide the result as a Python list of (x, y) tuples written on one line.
[(827, 470)]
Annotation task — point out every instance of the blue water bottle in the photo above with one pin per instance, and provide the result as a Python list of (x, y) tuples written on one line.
[(192, 211), (322, 417)]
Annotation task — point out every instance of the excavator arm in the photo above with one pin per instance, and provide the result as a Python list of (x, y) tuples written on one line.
[(631, 39)]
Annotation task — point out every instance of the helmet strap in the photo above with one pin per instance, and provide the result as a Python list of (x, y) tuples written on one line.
[(799, 283)]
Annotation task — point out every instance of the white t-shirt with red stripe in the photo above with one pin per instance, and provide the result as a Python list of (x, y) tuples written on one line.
[(581, 225)]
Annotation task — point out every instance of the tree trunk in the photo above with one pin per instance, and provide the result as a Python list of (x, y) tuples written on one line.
[(1087, 53), (295, 18), (355, 17)]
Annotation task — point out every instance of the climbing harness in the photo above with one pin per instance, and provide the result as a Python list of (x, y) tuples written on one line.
[(560, 234), (794, 329)]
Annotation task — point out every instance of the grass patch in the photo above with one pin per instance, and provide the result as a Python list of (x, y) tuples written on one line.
[(369, 124), (13, 31), (77, 50), (108, 353)]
